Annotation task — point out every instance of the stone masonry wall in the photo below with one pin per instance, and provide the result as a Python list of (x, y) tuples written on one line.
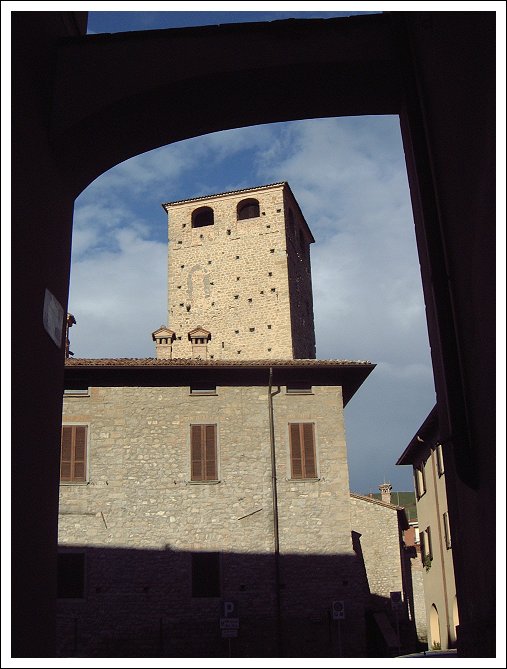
[(232, 279), (300, 282), (139, 519), (378, 526)]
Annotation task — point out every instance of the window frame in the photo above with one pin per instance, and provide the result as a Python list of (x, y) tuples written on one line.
[(420, 480), (447, 530), (86, 461), (303, 389), (440, 459), (304, 465), (77, 392), (203, 459), (202, 389), (429, 547)]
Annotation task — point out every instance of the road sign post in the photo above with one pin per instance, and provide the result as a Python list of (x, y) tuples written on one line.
[(338, 610)]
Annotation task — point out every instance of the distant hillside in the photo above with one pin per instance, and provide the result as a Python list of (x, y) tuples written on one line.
[(405, 499)]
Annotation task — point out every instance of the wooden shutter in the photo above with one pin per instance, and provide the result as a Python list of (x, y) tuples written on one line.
[(302, 451), (197, 472), (310, 468), (73, 454), (295, 452), (79, 453), (203, 453), (66, 454), (211, 453)]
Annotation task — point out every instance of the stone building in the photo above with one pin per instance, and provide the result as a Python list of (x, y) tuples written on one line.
[(393, 612), (204, 499), (239, 267)]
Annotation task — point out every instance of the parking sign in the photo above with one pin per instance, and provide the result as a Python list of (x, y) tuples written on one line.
[(338, 609)]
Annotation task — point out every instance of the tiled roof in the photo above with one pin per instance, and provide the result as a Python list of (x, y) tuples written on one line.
[(230, 192), (183, 362), (376, 501)]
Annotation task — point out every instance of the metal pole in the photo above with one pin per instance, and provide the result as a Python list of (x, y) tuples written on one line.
[(276, 535)]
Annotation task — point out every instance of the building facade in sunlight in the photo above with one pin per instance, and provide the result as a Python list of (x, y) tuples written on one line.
[(205, 508), (425, 453)]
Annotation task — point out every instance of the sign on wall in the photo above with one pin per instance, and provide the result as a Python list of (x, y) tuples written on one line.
[(338, 609)]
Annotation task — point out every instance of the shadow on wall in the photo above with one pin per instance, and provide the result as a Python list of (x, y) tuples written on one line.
[(115, 602)]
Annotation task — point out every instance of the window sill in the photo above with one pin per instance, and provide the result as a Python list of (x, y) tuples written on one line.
[(313, 480), (203, 482), (202, 394), (80, 483)]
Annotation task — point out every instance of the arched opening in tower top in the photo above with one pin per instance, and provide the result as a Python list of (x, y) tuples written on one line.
[(202, 217), (248, 209)]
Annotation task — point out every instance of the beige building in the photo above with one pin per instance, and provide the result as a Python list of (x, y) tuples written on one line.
[(425, 454), (205, 507)]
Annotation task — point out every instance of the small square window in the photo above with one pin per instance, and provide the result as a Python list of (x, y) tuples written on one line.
[(203, 389), (77, 392), (206, 575), (299, 387)]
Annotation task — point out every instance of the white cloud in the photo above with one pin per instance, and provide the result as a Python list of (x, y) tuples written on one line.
[(118, 298)]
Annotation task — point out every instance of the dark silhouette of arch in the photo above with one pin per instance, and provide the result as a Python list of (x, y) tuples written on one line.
[(82, 104)]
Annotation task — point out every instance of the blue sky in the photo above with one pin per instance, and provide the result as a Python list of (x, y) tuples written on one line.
[(349, 177)]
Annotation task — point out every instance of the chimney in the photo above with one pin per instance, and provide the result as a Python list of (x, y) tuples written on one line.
[(163, 338), (69, 323), (385, 490)]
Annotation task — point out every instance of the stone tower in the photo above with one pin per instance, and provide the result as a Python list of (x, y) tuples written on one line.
[(239, 277)]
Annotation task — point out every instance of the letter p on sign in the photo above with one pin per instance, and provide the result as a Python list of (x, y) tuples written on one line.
[(229, 609)]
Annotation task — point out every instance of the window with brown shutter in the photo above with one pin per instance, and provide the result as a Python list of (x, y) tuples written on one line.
[(302, 451), (203, 453), (73, 454)]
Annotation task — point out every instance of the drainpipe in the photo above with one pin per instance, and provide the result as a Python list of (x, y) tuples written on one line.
[(276, 534)]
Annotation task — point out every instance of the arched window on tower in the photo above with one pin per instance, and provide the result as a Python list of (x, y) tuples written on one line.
[(202, 217), (248, 209)]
